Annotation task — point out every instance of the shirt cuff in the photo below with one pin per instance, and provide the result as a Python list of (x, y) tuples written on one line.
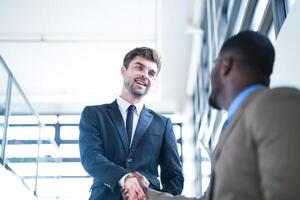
[(121, 181)]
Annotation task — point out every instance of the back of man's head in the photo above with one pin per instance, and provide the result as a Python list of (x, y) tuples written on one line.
[(254, 51)]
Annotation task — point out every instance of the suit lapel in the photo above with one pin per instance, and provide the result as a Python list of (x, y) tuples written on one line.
[(143, 124), (226, 134), (233, 123), (117, 119)]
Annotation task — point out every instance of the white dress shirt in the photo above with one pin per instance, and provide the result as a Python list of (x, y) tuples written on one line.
[(123, 106)]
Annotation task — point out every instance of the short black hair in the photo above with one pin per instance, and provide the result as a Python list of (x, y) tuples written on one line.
[(254, 49), (145, 52)]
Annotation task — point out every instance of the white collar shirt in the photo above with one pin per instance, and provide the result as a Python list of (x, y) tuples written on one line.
[(123, 106)]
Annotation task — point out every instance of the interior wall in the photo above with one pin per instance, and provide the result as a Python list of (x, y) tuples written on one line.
[(287, 63)]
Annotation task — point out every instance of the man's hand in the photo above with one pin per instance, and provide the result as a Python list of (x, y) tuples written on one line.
[(144, 183), (133, 187)]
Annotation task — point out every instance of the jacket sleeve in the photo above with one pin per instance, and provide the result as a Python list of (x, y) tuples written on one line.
[(92, 153), (171, 168), (155, 195), (276, 131)]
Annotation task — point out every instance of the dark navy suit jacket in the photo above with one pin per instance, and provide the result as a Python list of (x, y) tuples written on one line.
[(106, 156)]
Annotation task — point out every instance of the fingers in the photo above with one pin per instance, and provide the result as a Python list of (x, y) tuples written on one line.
[(132, 189), (144, 183), (125, 193)]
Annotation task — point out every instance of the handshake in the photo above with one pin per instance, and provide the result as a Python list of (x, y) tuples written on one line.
[(134, 187)]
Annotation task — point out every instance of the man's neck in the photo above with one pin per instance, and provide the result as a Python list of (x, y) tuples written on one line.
[(130, 98)]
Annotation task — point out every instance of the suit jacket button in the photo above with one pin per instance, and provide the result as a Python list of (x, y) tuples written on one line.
[(129, 160)]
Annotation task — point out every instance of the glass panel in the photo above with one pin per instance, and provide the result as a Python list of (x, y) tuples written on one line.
[(179, 146), (82, 186), (30, 151), (3, 88), (23, 133), (69, 119), (22, 145), (49, 188), (24, 169), (48, 152), (177, 130), (205, 167), (23, 119), (48, 119), (229, 9), (271, 33), (240, 17), (69, 150), (69, 132), (49, 171), (48, 133), (258, 14), (72, 169), (289, 4)]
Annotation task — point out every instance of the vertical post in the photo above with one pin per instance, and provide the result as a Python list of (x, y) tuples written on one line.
[(279, 14), (6, 115), (209, 34)]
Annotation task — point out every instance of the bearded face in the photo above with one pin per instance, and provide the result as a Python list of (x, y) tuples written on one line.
[(139, 76), (137, 86)]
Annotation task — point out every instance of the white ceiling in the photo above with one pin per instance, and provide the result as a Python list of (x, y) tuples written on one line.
[(68, 53)]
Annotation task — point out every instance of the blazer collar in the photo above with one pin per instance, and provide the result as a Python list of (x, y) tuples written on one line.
[(233, 123), (142, 126), (117, 119), (123, 105)]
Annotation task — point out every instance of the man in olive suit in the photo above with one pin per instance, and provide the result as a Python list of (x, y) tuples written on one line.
[(257, 155)]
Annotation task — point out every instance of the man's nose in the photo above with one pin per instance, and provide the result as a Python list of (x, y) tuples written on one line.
[(145, 74)]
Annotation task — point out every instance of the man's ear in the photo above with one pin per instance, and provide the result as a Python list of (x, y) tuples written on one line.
[(123, 70), (227, 64)]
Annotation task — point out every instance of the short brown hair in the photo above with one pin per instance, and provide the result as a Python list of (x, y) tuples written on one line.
[(145, 52)]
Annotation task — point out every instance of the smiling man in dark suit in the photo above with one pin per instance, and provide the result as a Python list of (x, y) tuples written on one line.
[(123, 137)]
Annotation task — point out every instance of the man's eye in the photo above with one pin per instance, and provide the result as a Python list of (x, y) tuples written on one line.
[(140, 67), (152, 75)]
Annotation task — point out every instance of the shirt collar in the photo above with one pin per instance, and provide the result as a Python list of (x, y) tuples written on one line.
[(240, 98), (123, 105)]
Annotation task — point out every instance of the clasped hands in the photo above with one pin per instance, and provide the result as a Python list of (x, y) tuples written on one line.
[(134, 187)]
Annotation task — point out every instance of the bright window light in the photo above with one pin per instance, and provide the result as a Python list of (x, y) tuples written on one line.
[(72, 169), (75, 188), (23, 119), (69, 150), (48, 119), (49, 150), (47, 133), (69, 133), (24, 169), (258, 14), (176, 129), (69, 119), (49, 169), (48, 188), (205, 168), (23, 133), (21, 151)]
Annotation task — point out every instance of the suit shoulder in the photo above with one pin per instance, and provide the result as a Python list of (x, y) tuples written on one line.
[(91, 108), (276, 95), (157, 115), (271, 103)]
